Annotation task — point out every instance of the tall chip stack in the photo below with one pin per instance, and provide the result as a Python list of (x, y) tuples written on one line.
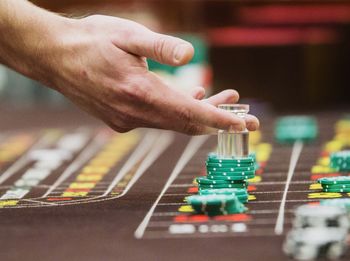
[(228, 170)]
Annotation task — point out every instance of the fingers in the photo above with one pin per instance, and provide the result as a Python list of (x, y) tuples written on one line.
[(226, 96), (252, 122), (196, 116), (198, 93), (231, 96), (162, 48)]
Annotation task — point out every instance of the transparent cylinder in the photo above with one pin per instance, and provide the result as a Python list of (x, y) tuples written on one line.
[(234, 144)]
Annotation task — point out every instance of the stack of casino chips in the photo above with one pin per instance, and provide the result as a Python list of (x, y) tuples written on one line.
[(338, 184), (227, 172), (213, 205), (340, 161), (226, 184)]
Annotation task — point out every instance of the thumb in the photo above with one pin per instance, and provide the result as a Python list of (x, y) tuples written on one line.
[(162, 48)]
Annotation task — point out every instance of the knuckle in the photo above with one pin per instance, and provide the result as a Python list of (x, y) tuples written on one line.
[(134, 91), (185, 115), (137, 91), (192, 129), (159, 47)]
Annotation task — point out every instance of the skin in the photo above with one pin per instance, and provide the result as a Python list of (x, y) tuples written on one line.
[(99, 63)]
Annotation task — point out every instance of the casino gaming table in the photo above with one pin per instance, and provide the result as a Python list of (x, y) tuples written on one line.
[(94, 194)]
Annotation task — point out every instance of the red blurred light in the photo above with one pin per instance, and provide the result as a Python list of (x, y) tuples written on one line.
[(298, 14), (246, 36)]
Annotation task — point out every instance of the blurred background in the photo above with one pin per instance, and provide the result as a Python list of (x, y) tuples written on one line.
[(285, 55)]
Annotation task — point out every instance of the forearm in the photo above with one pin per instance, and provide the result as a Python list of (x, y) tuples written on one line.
[(28, 37)]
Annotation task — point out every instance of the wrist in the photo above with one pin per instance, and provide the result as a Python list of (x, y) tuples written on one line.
[(31, 41)]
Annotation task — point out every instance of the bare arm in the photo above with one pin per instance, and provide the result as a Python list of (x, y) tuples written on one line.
[(99, 63)]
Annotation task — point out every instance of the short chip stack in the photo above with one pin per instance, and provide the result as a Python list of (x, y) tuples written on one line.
[(296, 128), (340, 161), (241, 194), (213, 205), (230, 169), (338, 184)]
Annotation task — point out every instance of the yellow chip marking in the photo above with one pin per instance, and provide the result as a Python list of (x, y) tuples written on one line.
[(8, 203), (256, 179), (322, 169), (315, 186), (95, 170), (324, 161), (86, 185), (83, 177), (333, 146), (251, 197), (186, 208), (324, 195)]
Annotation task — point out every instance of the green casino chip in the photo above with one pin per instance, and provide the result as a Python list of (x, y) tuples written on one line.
[(240, 193), (233, 169), (229, 165), (225, 191), (335, 186), (334, 180), (341, 156), (219, 186), (210, 200), (296, 128), (206, 181), (234, 174), (340, 160), (339, 190), (235, 178), (233, 160), (216, 204)]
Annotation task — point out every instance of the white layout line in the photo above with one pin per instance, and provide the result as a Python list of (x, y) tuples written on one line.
[(163, 142), (135, 157), (84, 156), (297, 148), (20, 163), (191, 148)]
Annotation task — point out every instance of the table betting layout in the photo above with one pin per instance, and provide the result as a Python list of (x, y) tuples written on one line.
[(72, 189)]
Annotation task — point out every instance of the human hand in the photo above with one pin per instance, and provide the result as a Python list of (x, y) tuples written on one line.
[(99, 63)]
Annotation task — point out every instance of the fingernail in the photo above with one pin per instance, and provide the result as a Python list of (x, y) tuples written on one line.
[(180, 52)]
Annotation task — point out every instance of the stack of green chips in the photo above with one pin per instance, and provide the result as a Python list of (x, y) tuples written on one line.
[(335, 184), (224, 187), (230, 169), (296, 128), (213, 205), (241, 194), (340, 161)]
